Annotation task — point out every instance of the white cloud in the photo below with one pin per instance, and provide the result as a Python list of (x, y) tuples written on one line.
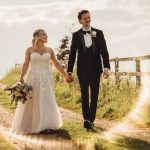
[(52, 12), (125, 24)]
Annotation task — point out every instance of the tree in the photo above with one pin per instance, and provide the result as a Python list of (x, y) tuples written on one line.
[(63, 51)]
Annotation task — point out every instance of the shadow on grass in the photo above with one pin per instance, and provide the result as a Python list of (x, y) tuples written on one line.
[(124, 143), (133, 143), (61, 133), (58, 139)]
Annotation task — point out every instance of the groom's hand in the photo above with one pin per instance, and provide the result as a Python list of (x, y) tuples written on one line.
[(106, 74)]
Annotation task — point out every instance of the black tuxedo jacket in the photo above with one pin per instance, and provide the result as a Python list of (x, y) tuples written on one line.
[(99, 51)]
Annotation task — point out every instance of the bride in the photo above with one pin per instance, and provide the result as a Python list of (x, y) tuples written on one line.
[(41, 112)]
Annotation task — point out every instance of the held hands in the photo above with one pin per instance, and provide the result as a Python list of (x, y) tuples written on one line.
[(69, 78)]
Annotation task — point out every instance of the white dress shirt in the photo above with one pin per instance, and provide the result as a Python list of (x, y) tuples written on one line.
[(87, 38)]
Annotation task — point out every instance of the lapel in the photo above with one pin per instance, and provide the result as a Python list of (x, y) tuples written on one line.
[(83, 42), (82, 39), (93, 41)]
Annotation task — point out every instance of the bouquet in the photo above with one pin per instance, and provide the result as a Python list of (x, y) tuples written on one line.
[(20, 92)]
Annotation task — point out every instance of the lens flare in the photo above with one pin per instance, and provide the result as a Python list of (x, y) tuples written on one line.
[(126, 126), (37, 141)]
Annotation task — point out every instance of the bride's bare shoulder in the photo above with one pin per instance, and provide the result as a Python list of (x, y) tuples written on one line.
[(29, 49), (50, 50)]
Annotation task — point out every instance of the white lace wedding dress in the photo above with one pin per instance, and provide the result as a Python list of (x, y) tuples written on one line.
[(41, 112)]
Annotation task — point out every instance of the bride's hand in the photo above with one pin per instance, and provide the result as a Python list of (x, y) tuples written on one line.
[(69, 79), (20, 81)]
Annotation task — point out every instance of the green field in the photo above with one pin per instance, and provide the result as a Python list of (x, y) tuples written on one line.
[(115, 101), (4, 145)]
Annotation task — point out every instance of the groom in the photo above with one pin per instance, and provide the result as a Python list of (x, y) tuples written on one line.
[(90, 45)]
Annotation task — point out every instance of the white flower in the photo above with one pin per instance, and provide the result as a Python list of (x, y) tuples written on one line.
[(94, 33), (25, 89), (18, 89), (17, 94), (21, 92)]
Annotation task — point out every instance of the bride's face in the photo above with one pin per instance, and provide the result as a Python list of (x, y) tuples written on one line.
[(43, 37)]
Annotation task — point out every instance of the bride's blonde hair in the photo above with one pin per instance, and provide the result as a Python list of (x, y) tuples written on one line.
[(36, 34)]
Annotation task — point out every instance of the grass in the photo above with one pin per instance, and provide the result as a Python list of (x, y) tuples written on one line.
[(11, 77), (4, 145), (5, 101), (96, 141), (114, 102), (124, 143)]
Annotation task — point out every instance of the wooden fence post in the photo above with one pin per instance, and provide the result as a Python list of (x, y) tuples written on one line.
[(138, 70), (117, 69)]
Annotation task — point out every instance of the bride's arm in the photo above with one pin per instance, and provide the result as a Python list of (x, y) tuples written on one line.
[(25, 65), (57, 65)]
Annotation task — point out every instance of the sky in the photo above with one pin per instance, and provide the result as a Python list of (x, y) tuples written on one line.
[(125, 23)]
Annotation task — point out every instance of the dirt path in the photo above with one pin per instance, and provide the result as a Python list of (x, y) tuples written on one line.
[(33, 141), (56, 140), (118, 128)]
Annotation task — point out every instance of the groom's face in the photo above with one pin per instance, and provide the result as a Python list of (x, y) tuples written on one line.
[(85, 19)]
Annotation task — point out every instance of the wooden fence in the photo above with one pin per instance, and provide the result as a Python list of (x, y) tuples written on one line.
[(138, 74)]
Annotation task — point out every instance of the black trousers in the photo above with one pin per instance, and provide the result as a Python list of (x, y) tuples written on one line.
[(89, 85)]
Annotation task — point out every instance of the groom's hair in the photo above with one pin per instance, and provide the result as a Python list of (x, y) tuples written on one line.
[(81, 13)]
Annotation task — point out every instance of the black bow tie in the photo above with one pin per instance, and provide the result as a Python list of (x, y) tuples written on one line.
[(84, 32)]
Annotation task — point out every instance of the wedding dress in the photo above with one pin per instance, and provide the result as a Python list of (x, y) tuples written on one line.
[(41, 112)]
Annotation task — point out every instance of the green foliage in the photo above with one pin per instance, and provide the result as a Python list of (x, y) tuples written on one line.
[(115, 100), (4, 145), (94, 140), (5, 101), (11, 77)]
